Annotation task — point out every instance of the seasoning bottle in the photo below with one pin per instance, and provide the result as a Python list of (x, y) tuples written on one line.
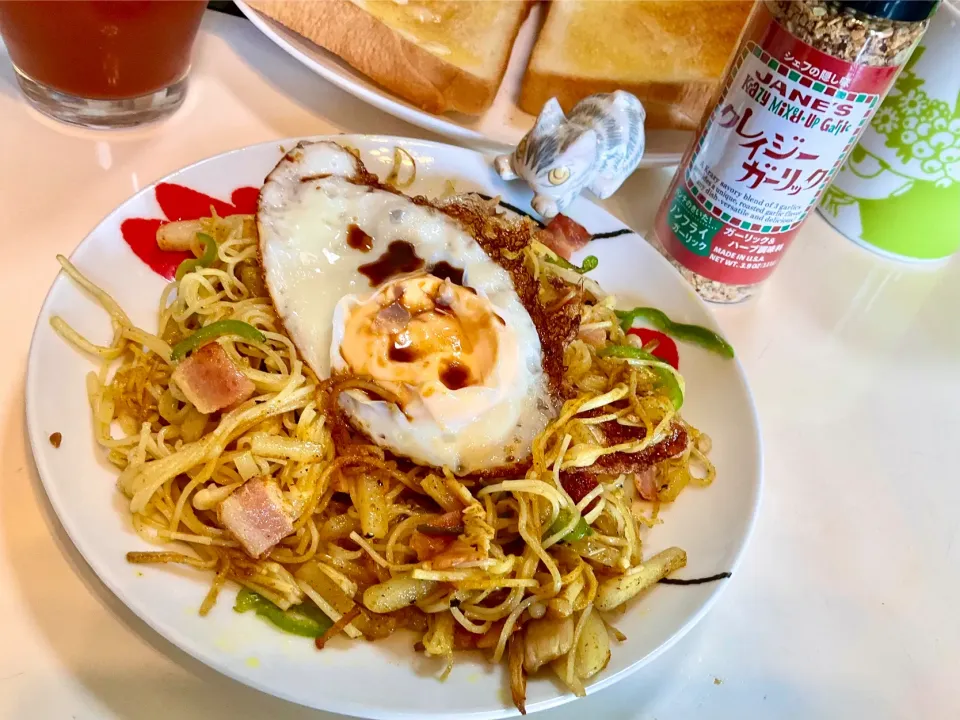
[(800, 88)]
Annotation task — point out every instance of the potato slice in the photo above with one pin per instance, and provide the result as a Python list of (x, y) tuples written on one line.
[(593, 647), (617, 590), (327, 596), (559, 667), (335, 602), (370, 498), (397, 592), (438, 640), (179, 235)]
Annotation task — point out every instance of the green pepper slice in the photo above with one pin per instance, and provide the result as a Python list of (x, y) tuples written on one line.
[(684, 332), (580, 530), (590, 262), (666, 379), (212, 331), (305, 620), (628, 352), (205, 260)]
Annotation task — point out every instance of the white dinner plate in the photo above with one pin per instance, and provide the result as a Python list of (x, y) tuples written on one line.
[(385, 679), (501, 127)]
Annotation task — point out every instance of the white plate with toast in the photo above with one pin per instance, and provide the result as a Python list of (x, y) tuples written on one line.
[(387, 678), (500, 126)]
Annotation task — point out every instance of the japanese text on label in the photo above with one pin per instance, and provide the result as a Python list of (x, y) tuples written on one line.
[(769, 148)]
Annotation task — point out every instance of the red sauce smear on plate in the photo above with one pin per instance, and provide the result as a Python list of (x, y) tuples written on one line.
[(180, 203), (666, 348)]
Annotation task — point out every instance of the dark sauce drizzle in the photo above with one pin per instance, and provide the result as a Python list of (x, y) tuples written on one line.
[(695, 581), (358, 239), (454, 376), (446, 271), (401, 354), (400, 257)]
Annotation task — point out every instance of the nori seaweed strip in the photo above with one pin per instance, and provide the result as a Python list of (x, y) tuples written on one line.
[(518, 211), (612, 233), (695, 581), (513, 208)]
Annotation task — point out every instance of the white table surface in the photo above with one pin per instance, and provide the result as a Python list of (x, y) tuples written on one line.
[(847, 604)]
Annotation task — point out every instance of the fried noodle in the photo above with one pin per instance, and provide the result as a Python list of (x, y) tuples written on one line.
[(510, 564)]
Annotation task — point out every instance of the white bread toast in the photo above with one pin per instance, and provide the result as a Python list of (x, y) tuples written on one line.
[(439, 56), (669, 53)]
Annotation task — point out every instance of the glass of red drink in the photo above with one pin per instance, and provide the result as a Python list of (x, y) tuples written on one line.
[(101, 63)]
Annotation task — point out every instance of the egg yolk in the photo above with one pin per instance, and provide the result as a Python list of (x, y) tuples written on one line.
[(418, 331)]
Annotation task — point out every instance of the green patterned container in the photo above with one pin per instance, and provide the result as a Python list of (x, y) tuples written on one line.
[(899, 192)]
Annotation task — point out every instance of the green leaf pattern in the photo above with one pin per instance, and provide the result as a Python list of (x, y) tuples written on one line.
[(920, 128)]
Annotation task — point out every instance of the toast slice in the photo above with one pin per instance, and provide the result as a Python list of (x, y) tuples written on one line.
[(669, 53), (440, 56)]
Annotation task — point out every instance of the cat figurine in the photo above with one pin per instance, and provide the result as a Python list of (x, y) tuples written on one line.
[(597, 148)]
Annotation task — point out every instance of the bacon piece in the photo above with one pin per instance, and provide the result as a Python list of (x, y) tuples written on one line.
[(621, 462), (210, 380), (444, 551), (257, 516), (393, 318), (458, 553), (646, 483), (596, 337), (564, 236), (429, 546), (446, 521), (615, 433), (577, 483)]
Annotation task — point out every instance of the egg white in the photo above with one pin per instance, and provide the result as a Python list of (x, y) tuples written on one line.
[(306, 206)]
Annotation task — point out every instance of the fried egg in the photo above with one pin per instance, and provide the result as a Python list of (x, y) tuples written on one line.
[(369, 283)]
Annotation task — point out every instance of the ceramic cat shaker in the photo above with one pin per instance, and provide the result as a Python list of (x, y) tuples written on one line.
[(596, 147)]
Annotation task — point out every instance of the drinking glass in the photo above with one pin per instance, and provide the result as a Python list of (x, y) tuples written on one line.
[(101, 63)]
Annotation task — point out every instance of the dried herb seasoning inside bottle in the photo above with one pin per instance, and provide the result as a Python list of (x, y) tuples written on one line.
[(803, 83)]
